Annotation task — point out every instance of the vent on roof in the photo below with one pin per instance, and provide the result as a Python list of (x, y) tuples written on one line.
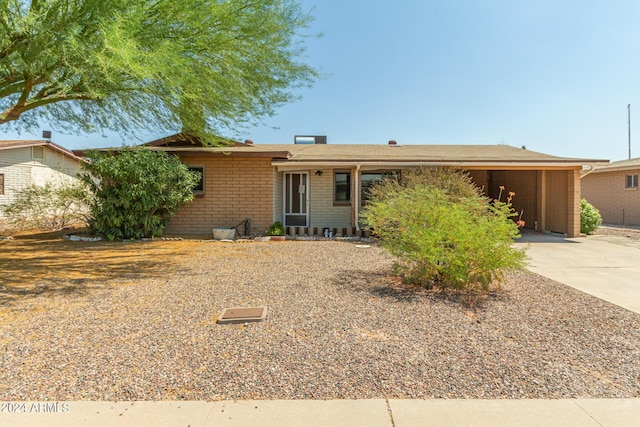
[(46, 134), (393, 142), (310, 139), (248, 142)]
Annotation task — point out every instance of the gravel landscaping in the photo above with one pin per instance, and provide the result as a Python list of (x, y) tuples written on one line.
[(338, 327)]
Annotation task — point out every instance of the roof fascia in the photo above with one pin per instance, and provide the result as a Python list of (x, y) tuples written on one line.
[(43, 143), (546, 165), (617, 168)]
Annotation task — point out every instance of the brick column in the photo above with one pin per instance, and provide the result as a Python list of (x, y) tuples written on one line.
[(573, 203)]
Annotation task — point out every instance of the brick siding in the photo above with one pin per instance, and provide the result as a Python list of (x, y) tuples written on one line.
[(234, 189), (606, 191), (20, 171)]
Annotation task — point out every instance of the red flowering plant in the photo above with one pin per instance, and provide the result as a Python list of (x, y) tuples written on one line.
[(510, 196)]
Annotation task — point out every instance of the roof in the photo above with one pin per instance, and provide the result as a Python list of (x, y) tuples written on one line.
[(621, 165), (343, 154), (22, 143)]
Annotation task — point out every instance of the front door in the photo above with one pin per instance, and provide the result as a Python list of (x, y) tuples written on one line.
[(296, 199)]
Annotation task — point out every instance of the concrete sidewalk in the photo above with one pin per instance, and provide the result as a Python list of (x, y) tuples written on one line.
[(606, 270), (333, 413)]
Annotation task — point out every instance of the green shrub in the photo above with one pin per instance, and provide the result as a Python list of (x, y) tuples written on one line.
[(49, 207), (276, 229), (443, 232), (590, 218), (136, 191)]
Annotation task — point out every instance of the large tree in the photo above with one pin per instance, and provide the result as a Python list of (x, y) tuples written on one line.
[(193, 65)]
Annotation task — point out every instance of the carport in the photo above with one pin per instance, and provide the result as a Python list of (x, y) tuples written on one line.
[(548, 199)]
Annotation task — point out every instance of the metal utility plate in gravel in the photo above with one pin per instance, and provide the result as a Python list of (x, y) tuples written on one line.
[(242, 315)]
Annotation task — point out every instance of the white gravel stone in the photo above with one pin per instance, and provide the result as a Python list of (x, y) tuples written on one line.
[(338, 327)]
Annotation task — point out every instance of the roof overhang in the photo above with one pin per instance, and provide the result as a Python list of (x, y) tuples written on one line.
[(467, 165), (7, 145), (213, 151)]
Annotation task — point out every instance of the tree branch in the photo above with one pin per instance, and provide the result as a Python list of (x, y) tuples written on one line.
[(13, 113)]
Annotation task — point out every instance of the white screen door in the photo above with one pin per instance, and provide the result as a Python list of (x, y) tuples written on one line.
[(296, 199)]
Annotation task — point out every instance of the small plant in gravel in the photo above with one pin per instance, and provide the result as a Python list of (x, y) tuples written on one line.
[(443, 231), (276, 229), (590, 218)]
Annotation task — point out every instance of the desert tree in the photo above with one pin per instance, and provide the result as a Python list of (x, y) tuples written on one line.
[(122, 65)]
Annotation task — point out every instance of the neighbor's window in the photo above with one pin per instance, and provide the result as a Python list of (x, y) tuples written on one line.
[(37, 153), (631, 181), (342, 188), (1, 183), (199, 187)]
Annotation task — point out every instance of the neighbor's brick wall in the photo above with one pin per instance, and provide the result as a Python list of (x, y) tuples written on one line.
[(16, 168), (235, 189), (616, 204), (55, 168), (20, 171)]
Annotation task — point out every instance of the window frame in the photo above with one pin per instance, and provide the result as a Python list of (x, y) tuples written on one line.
[(631, 182), (196, 190), (347, 201), (364, 198), (44, 153)]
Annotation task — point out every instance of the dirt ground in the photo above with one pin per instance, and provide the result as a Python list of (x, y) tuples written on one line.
[(137, 321), (34, 263)]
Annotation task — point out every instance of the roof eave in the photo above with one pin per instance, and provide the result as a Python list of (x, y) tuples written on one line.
[(462, 164), (38, 143)]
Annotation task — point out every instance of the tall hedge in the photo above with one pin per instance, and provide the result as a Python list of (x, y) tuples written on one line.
[(136, 191)]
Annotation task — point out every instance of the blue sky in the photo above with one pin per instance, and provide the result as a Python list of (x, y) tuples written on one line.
[(554, 76)]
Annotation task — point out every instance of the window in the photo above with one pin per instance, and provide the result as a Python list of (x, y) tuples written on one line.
[(631, 181), (199, 187), (1, 183), (37, 153), (342, 187), (369, 179)]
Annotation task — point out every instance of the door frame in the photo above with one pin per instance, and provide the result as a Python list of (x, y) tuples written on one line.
[(286, 193)]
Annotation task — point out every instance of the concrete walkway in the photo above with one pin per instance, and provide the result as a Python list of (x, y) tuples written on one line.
[(333, 413), (606, 270)]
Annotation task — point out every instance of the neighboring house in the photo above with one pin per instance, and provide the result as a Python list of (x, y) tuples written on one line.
[(311, 187), (613, 190), (23, 163)]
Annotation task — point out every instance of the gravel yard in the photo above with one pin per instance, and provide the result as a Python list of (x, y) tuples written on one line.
[(338, 326)]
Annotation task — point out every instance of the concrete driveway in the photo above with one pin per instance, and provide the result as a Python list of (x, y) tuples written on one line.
[(600, 267)]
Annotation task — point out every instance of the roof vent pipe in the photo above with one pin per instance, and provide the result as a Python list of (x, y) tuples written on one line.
[(393, 142)]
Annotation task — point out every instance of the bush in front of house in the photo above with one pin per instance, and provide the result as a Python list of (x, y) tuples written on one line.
[(443, 231), (590, 218), (49, 207), (276, 229), (135, 191)]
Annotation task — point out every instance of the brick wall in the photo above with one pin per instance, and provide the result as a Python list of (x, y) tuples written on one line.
[(606, 191), (234, 189), (20, 171)]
